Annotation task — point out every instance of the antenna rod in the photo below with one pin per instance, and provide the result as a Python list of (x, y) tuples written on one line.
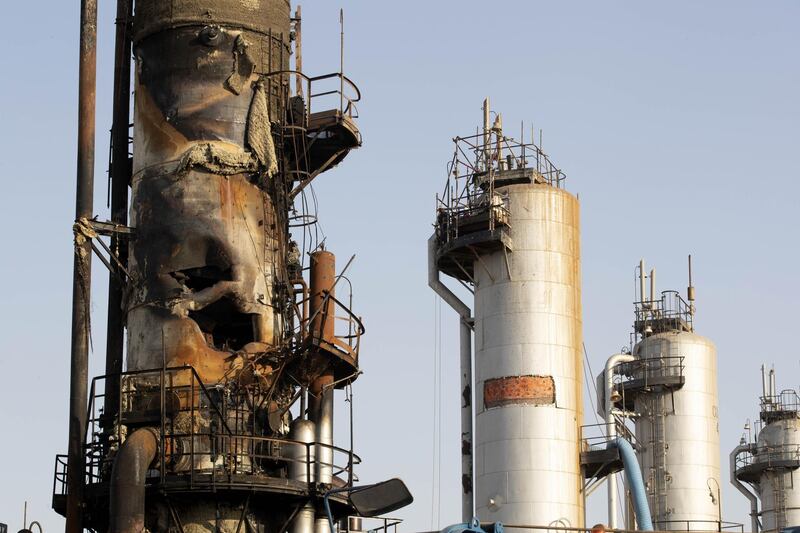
[(486, 140), (341, 60)]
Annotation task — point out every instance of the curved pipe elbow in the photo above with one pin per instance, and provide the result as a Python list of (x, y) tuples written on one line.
[(128, 476), (633, 476)]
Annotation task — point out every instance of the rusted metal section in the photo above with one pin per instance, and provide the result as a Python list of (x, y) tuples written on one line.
[(536, 390), (120, 173), (81, 278), (323, 277), (127, 500), (211, 245)]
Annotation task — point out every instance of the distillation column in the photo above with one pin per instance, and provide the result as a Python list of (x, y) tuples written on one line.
[(515, 236), (675, 389), (528, 364)]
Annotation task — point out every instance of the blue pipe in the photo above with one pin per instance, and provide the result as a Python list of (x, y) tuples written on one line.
[(633, 475)]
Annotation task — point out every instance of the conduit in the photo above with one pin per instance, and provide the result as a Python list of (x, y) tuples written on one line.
[(126, 503), (633, 475)]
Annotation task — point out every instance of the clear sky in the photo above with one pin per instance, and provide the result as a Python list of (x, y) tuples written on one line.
[(676, 123)]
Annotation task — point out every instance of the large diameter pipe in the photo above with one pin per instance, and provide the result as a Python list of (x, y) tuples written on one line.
[(465, 328), (128, 476), (611, 429), (323, 278), (752, 498), (301, 468), (82, 264), (120, 178)]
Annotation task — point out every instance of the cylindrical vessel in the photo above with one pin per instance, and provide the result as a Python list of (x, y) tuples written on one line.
[(779, 446), (208, 247), (528, 364), (678, 430)]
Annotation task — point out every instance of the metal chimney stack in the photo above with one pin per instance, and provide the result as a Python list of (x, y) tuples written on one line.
[(221, 417)]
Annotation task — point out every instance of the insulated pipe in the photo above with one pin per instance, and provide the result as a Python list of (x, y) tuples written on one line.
[(611, 429), (633, 475), (465, 321), (323, 278), (128, 475), (755, 526), (120, 178), (82, 267)]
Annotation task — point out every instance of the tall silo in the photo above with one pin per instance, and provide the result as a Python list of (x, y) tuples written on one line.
[(674, 393), (507, 228), (769, 463)]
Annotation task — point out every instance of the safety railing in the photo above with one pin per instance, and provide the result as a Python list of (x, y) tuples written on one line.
[(698, 525), (348, 327), (768, 456), (208, 434), (60, 476), (334, 87), (377, 524), (661, 370), (595, 436), (787, 401), (671, 306)]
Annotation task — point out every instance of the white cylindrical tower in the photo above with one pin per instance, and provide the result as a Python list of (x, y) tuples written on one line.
[(778, 486), (528, 364), (771, 463), (506, 226), (678, 428)]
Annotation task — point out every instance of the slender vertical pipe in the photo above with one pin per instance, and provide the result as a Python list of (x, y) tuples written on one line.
[(82, 274), (465, 321), (323, 278), (652, 287), (611, 429), (120, 177), (642, 296), (486, 137)]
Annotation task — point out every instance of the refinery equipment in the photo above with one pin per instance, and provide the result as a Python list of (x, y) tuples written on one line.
[(239, 331), (508, 230), (768, 460), (669, 388)]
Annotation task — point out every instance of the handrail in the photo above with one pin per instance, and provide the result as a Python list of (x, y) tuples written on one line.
[(310, 80), (196, 451)]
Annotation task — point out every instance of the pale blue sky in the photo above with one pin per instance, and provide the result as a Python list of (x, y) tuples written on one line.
[(676, 122)]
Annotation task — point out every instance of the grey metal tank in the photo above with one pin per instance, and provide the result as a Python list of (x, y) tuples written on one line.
[(678, 429)]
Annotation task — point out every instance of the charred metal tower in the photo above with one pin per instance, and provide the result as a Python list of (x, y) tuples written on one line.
[(507, 229), (222, 416)]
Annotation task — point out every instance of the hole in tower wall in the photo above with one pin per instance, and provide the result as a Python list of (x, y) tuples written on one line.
[(225, 327), (532, 390)]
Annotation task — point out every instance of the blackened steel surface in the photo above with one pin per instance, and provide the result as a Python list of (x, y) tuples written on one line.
[(79, 357)]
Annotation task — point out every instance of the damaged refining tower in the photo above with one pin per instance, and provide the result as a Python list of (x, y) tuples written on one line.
[(507, 229), (222, 419)]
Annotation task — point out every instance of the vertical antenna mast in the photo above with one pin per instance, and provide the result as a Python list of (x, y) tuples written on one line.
[(341, 60)]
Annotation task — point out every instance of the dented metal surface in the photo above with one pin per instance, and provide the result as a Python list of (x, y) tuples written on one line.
[(224, 336)]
